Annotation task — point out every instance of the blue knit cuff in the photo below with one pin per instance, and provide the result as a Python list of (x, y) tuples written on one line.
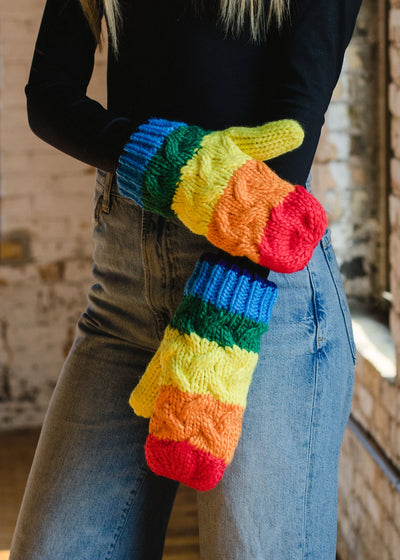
[(233, 288), (142, 145)]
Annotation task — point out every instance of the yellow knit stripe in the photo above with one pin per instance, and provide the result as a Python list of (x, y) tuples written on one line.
[(201, 366), (269, 140), (144, 395), (204, 179)]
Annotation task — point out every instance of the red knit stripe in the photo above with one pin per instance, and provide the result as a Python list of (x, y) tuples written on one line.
[(292, 232), (184, 463)]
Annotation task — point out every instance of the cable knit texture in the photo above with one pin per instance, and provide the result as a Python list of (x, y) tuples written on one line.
[(218, 185), (196, 386)]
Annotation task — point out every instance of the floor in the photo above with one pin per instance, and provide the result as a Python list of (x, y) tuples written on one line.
[(16, 453)]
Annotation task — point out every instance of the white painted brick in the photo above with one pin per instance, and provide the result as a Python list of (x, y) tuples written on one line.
[(341, 174), (394, 26), (337, 117), (341, 91), (341, 142)]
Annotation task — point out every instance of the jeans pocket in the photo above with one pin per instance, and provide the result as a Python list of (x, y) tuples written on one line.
[(337, 279)]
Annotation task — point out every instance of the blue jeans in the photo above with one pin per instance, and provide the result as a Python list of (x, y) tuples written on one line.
[(91, 496)]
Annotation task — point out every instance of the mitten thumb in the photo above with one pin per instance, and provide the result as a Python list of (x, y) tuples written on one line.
[(268, 140), (144, 395)]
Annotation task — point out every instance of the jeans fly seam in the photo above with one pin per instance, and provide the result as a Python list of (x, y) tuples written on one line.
[(124, 514)]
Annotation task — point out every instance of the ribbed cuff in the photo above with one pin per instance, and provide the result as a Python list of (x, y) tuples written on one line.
[(231, 287), (216, 324), (140, 149)]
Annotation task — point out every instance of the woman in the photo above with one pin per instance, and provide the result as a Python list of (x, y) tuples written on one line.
[(215, 65)]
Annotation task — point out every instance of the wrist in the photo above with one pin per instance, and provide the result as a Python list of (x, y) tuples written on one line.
[(149, 166), (226, 303)]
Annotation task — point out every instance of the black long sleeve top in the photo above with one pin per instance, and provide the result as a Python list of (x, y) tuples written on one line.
[(176, 62)]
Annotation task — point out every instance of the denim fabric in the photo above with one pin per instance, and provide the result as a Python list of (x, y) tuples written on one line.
[(90, 494)]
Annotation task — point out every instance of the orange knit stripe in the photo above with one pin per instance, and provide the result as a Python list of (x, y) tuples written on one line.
[(201, 420), (240, 215)]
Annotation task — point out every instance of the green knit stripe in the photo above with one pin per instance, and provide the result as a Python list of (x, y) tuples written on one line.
[(163, 172), (218, 325)]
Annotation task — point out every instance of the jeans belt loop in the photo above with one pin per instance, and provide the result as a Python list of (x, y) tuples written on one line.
[(105, 206)]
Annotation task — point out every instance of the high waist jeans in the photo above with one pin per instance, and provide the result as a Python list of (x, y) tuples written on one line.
[(91, 496)]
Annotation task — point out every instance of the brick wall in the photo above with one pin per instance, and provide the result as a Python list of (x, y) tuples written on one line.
[(369, 507), (46, 246), (369, 486), (369, 501)]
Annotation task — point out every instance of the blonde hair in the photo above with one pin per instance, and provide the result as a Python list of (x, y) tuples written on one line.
[(233, 14)]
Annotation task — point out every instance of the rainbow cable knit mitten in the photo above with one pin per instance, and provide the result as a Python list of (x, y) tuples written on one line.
[(217, 184), (196, 385)]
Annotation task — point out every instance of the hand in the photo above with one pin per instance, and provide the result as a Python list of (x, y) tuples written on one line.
[(217, 184), (195, 388)]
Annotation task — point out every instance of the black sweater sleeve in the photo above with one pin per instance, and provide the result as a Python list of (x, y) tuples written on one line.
[(294, 73), (59, 111), (309, 71)]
